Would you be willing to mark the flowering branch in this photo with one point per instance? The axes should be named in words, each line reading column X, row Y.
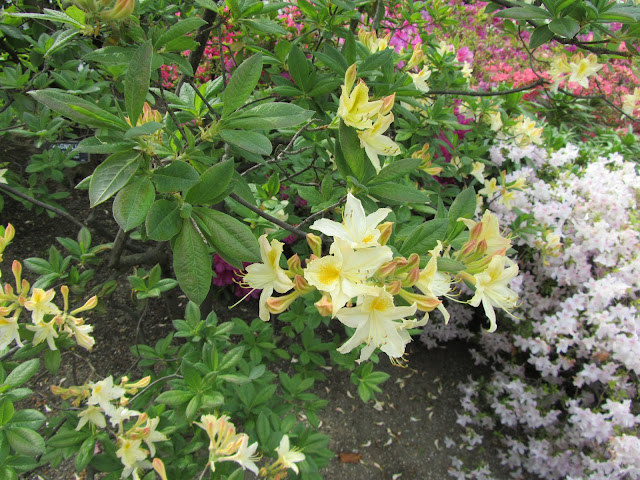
column 280, row 223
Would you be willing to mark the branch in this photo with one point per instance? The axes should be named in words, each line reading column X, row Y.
column 201, row 38
column 280, row 223
column 471, row 93
column 151, row 256
column 569, row 41
column 321, row 212
column 46, row 206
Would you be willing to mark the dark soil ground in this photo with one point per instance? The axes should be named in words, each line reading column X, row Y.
column 402, row 436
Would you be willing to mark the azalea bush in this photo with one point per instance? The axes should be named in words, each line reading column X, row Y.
column 339, row 161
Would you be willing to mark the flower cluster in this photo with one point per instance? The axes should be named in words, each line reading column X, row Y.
column 371, row 118
column 102, row 399
column 360, row 265
column 578, row 70
column 47, row 320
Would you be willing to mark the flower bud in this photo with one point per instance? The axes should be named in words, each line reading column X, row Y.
column 424, row 303
column 280, row 304
column 324, row 306
column 295, row 264
column 315, row 242
column 387, row 104
column 387, row 269
column 386, row 229
column 350, row 77
column 158, row 466
column 16, row 268
column 301, row 285
column 89, row 305
column 120, row 11
column 412, row 277
column 394, row 287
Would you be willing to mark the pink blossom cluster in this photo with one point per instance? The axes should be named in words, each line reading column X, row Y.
column 226, row 274
column 565, row 372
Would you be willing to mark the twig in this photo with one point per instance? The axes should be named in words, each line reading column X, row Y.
column 46, row 206
column 153, row 255
column 155, row 382
column 171, row 114
column 117, row 249
column 471, row 93
column 310, row 218
column 280, row 223
column 223, row 67
column 204, row 100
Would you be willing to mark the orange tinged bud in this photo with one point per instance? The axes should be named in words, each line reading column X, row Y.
column 394, row 287
column 158, row 466
column 350, row 77
column 16, row 268
column 387, row 269
column 295, row 264
column 280, row 304
column 387, row 104
column 470, row 247
column 412, row 277
column 315, row 243
column 120, row 11
column 324, row 306
column 301, row 285
column 386, row 229
column 424, row 303
column 89, row 305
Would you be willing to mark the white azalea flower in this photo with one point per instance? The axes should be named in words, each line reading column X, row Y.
column 375, row 321
column 420, row 79
column 433, row 283
column 92, row 414
column 342, row 273
column 268, row 276
column 245, row 456
column 357, row 228
column 103, row 392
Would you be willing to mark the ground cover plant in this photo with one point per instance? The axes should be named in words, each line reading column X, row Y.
column 390, row 168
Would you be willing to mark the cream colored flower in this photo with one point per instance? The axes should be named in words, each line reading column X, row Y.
column 420, row 79
column 268, row 276
column 40, row 304
column 379, row 324
column 631, row 102
column 357, row 228
column 490, row 187
column 526, row 132
column 487, row 231
column 44, row 331
column 492, row 288
column 92, row 414
column 9, row 331
column 354, row 108
column 343, row 273
column 478, row 171
column 245, row 456
column 433, row 283
column 375, row 143
column 287, row 456
column 103, row 392
column 582, row 68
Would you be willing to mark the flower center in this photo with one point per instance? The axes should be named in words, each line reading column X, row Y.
column 328, row 274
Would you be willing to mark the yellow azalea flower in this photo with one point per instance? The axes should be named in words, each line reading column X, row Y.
column 494, row 120
column 9, row 331
column 223, row 440
column 492, row 288
column 582, row 68
column 245, row 456
column 268, row 276
column 490, row 187
column 478, row 171
column 92, row 414
column 354, row 108
column 372, row 42
column 433, row 283
column 287, row 456
column 375, row 143
column 466, row 70
column 559, row 70
column 417, row 57
column 526, row 132
column 379, row 324
column 103, row 392
column 420, row 79
column 487, row 231
column 131, row 455
column 149, row 435
column 44, row 331
column 631, row 102
column 343, row 273
column 357, row 228
column 444, row 48
column 40, row 304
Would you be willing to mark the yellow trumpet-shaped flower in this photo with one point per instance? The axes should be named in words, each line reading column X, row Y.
column 355, row 109
column 420, row 79
column 375, row 143
column 582, row 68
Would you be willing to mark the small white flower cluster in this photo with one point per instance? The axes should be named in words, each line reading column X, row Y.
column 579, row 329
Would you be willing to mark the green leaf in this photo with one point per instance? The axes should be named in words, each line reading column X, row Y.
column 176, row 177
column 234, row 8
column 351, row 149
column 28, row 418
column 375, row 61
column 136, row 83
column 132, row 203
column 174, row 398
column 111, row 175
column 145, row 129
column 524, row 13
column 263, row 25
column 6, row 411
column 231, row 238
column 52, row 360
column 8, row 473
column 464, row 206
column 566, row 27
column 299, row 68
column 396, row 169
column 22, row 373
column 253, row 142
column 163, row 220
column 268, row 116
column 79, row 110
column 540, row 36
column 179, row 29
column 103, row 146
column 425, row 237
column 67, row 438
column 192, row 263
column 25, row 441
column 450, row 265
column 85, row 453
column 213, row 183
column 397, row 194
column 242, row 83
